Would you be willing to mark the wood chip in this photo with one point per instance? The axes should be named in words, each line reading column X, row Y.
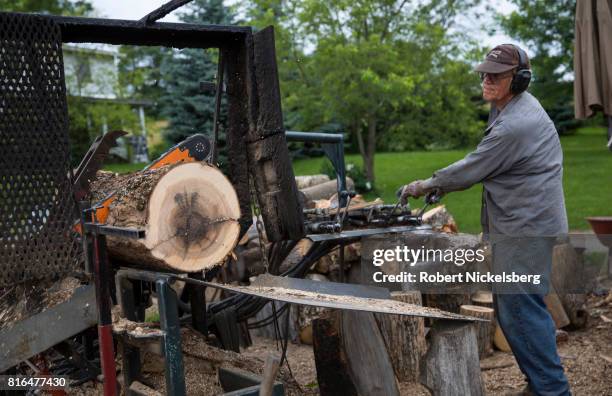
column 606, row 358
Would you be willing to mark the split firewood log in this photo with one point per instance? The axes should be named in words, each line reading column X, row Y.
column 323, row 191
column 310, row 180
column 189, row 212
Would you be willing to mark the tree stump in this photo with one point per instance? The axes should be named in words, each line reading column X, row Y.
column 451, row 365
column 404, row 338
column 484, row 330
column 447, row 302
column 189, row 211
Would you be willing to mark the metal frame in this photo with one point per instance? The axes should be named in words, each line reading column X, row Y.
column 333, row 145
column 170, row 339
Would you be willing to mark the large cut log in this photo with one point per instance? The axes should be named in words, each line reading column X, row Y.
column 451, row 365
column 484, row 330
column 189, row 212
column 404, row 338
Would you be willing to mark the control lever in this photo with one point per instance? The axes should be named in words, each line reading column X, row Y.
column 350, row 195
column 431, row 198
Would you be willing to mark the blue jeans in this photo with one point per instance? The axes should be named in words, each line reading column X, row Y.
column 530, row 332
column 523, row 317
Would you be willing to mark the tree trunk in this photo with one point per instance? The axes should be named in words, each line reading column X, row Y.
column 189, row 212
column 368, row 160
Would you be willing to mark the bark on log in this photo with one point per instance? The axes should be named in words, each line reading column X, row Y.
column 484, row 330
column 447, row 302
column 189, row 212
column 404, row 338
column 451, row 365
column 485, row 299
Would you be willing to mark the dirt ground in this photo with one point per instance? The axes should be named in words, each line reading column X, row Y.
column 586, row 356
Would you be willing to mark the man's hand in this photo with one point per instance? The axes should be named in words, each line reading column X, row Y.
column 415, row 189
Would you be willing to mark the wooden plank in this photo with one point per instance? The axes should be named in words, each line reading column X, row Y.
column 366, row 354
column 238, row 128
column 333, row 375
column 404, row 338
column 269, row 159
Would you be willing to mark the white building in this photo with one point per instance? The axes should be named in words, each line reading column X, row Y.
column 92, row 73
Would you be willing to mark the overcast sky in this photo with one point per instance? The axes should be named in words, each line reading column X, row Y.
column 136, row 9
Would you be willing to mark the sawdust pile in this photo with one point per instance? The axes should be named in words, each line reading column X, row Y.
column 202, row 361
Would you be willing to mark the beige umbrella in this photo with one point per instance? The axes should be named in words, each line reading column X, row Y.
column 593, row 59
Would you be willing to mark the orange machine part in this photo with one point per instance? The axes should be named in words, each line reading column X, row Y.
column 172, row 157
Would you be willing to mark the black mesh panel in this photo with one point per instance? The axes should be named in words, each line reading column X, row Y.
column 36, row 204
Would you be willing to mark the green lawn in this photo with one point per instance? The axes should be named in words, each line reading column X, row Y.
column 124, row 168
column 587, row 178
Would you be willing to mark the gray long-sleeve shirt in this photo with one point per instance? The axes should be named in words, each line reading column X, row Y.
column 520, row 164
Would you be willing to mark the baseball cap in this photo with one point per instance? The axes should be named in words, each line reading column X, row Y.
column 500, row 59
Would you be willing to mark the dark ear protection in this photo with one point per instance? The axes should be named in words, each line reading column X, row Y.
column 522, row 77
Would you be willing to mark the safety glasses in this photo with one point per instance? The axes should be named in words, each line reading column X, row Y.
column 496, row 77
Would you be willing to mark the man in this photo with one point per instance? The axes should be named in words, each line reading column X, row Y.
column 519, row 163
